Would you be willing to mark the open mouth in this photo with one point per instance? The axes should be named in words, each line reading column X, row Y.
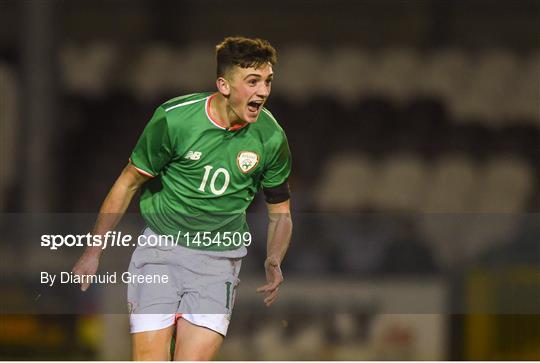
column 254, row 106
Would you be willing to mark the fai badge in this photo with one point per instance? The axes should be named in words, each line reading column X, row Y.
column 246, row 161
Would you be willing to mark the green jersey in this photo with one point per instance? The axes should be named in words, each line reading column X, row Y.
column 205, row 176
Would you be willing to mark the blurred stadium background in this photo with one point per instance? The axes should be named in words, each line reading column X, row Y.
column 415, row 132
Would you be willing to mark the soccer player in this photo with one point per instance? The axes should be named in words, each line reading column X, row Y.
column 199, row 162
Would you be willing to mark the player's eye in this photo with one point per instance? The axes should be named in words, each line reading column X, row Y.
column 252, row 82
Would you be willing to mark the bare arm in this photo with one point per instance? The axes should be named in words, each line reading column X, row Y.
column 279, row 237
column 113, row 208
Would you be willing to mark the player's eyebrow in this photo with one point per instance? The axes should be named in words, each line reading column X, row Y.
column 252, row 74
column 271, row 75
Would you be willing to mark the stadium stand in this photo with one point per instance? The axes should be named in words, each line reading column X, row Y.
column 390, row 130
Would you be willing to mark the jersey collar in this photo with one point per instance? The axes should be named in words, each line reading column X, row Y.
column 218, row 123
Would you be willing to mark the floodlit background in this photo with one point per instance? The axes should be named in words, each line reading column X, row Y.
column 415, row 133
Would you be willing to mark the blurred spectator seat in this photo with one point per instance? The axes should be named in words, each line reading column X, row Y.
column 360, row 240
column 522, row 101
column 349, row 74
column 487, row 231
column 406, row 253
column 444, row 73
column 309, row 340
column 347, row 183
column 298, row 72
column 444, row 233
column 505, row 186
column 396, row 73
column 162, row 71
column 151, row 72
column 401, row 183
column 194, row 68
column 493, row 79
column 452, row 183
column 88, row 69
column 500, row 190
column 267, row 338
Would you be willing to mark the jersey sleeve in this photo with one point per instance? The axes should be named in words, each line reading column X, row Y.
column 279, row 166
column 153, row 150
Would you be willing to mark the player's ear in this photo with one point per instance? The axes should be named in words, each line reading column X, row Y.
column 223, row 86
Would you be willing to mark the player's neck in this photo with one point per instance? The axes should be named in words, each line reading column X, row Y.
column 222, row 113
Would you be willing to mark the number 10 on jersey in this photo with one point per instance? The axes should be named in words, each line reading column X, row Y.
column 215, row 175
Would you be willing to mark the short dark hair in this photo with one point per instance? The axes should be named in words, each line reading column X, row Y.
column 243, row 52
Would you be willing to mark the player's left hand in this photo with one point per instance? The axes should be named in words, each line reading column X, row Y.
column 274, row 278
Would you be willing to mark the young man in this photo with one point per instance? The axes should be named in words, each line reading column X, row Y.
column 199, row 162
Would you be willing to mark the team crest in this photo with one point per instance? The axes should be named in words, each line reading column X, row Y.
column 247, row 160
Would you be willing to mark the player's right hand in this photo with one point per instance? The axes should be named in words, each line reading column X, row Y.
column 86, row 265
column 274, row 278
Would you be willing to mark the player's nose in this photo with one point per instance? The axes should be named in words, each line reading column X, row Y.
column 263, row 91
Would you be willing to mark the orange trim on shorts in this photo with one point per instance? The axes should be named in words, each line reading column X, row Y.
column 176, row 317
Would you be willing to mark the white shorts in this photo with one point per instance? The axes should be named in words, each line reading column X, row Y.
column 201, row 287
column 147, row 322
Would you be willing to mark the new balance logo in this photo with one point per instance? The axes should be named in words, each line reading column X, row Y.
column 193, row 155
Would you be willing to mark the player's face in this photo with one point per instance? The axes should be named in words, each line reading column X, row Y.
column 249, row 90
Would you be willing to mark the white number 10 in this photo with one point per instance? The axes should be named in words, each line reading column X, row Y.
column 215, row 191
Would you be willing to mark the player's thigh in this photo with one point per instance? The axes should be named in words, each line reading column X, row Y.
column 152, row 345
column 195, row 342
